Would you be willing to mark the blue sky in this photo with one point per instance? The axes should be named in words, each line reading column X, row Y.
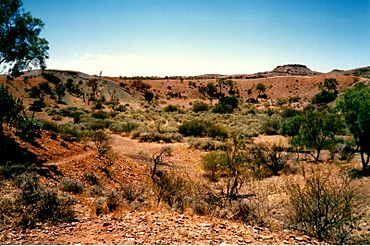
column 192, row 37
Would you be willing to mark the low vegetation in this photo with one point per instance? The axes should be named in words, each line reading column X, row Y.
column 225, row 132
column 324, row 206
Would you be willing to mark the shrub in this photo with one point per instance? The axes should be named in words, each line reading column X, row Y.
column 39, row 203
column 171, row 108
column 72, row 185
column 98, row 105
column 11, row 169
column 271, row 125
column 11, row 113
column 324, row 206
column 328, row 92
column 205, row 144
column 289, row 112
column 37, row 106
column 148, row 96
column 252, row 100
column 51, row 78
column 92, row 179
column 100, row 115
column 28, row 129
column 216, row 132
column 101, row 141
column 194, row 128
column 261, row 88
column 171, row 189
column 8, row 210
column 294, row 99
column 124, row 127
column 231, row 162
column 167, row 137
column 50, row 126
column 113, row 201
column 281, row 101
column 271, row 157
column 72, row 111
column 70, row 134
column 130, row 193
column 347, row 151
column 253, row 210
column 98, row 124
column 101, row 206
column 212, row 162
column 291, row 126
column 226, row 105
column 200, row 106
column 324, row 97
column 96, row 191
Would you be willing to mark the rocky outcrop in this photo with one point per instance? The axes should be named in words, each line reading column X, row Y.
column 293, row 69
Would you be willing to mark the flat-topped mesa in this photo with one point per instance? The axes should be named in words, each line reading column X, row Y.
column 293, row 69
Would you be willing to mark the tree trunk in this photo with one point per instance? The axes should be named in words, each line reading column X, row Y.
column 317, row 155
column 364, row 160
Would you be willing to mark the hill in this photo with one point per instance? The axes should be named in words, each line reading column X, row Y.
column 124, row 161
column 360, row 72
column 287, row 81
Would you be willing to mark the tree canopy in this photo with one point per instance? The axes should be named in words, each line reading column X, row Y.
column 20, row 45
column 317, row 130
column 354, row 105
column 12, row 114
column 261, row 88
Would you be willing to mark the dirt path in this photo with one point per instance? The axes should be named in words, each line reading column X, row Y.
column 182, row 156
column 131, row 148
column 70, row 159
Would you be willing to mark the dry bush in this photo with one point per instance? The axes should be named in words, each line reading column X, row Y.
column 124, row 127
column 324, row 206
column 96, row 191
column 10, row 169
column 38, row 203
column 205, row 144
column 91, row 178
column 72, row 185
column 101, row 206
column 254, row 207
column 167, row 137
column 172, row 189
column 271, row 157
column 199, row 106
column 101, row 141
column 205, row 201
column 130, row 192
column 271, row 125
column 8, row 210
column 113, row 200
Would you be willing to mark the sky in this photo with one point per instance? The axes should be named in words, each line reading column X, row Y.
column 194, row 37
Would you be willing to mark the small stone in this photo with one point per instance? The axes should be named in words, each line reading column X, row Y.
column 222, row 226
column 248, row 240
column 300, row 239
column 265, row 237
column 205, row 225
column 307, row 238
column 258, row 228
